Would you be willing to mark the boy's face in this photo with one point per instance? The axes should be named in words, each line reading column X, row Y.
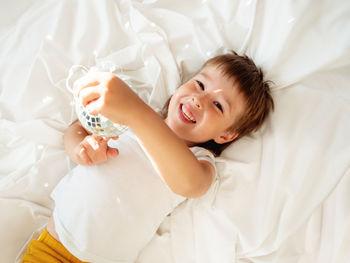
column 205, row 107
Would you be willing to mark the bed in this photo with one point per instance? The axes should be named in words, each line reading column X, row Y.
column 284, row 191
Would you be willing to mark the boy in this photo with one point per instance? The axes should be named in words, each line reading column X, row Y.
column 109, row 212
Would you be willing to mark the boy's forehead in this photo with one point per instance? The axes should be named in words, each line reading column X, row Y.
column 217, row 73
column 228, row 86
column 213, row 69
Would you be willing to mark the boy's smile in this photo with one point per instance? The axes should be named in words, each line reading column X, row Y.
column 205, row 107
column 186, row 114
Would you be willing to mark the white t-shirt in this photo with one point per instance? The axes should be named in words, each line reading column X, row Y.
column 109, row 212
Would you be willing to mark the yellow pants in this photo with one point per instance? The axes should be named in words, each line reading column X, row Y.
column 47, row 249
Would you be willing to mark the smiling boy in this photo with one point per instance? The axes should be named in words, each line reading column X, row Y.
column 110, row 211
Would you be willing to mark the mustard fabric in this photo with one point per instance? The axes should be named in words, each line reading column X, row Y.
column 46, row 249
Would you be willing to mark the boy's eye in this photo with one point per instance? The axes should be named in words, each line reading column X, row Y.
column 218, row 105
column 201, row 85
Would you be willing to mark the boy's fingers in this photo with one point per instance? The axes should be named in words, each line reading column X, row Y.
column 84, row 156
column 92, row 141
column 94, row 107
column 106, row 139
column 78, row 86
column 89, row 94
column 100, row 139
column 112, row 152
column 89, row 80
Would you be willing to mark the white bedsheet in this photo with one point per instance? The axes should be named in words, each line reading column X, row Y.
column 284, row 192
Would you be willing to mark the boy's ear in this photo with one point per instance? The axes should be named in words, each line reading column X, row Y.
column 226, row 137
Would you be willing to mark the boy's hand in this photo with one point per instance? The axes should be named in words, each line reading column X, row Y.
column 94, row 150
column 104, row 93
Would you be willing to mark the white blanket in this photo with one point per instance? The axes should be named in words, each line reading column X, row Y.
column 284, row 191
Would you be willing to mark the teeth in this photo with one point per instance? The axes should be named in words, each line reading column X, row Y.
column 188, row 115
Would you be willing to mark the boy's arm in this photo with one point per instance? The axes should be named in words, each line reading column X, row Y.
column 178, row 166
column 182, row 172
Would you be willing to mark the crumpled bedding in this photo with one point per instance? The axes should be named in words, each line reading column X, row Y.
column 283, row 193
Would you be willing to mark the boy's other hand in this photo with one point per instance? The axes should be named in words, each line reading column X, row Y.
column 94, row 150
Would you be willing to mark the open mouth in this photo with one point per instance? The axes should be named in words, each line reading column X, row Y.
column 185, row 115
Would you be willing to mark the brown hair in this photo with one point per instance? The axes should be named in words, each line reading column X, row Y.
column 250, row 79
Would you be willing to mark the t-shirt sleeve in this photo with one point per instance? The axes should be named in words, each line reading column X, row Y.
column 203, row 154
column 206, row 155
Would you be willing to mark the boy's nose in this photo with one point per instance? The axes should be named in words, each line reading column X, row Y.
column 197, row 102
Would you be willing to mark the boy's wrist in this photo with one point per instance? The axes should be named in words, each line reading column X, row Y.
column 73, row 136
column 140, row 118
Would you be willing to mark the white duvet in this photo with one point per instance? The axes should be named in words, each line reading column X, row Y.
column 284, row 192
